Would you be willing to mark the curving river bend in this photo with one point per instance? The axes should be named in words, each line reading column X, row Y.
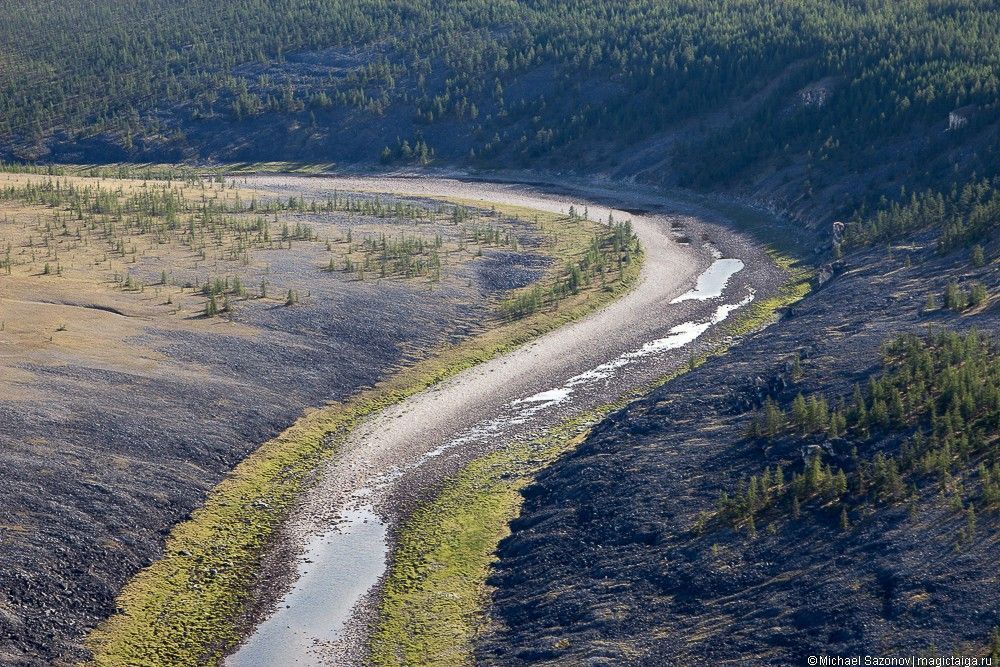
column 342, row 530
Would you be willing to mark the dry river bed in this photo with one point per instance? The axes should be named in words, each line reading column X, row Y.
column 323, row 577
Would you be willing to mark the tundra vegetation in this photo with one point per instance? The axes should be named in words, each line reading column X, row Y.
column 202, row 237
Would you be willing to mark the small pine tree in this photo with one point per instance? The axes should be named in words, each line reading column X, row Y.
column 880, row 413
column 814, row 473
column 774, row 418
column 753, row 427
column 931, row 304
column 845, row 522
column 977, row 256
column 954, row 298
column 977, row 294
column 800, row 412
column 839, row 483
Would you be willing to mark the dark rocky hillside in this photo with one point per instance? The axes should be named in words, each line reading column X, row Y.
column 619, row 556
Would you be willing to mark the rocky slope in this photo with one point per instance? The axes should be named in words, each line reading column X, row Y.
column 609, row 563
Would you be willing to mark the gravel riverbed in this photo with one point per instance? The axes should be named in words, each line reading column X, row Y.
column 322, row 578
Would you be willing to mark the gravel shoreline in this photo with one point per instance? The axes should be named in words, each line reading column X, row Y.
column 401, row 436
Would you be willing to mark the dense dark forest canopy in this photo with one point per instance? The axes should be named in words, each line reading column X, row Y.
column 810, row 87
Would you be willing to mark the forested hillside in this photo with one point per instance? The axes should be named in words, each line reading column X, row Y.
column 811, row 104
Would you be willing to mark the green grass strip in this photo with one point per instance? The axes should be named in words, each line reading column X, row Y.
column 434, row 597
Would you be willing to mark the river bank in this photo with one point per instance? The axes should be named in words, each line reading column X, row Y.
column 189, row 604
column 400, row 456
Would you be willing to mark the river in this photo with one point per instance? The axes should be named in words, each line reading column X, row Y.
column 342, row 530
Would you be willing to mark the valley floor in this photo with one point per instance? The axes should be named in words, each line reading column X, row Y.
column 123, row 404
column 346, row 525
